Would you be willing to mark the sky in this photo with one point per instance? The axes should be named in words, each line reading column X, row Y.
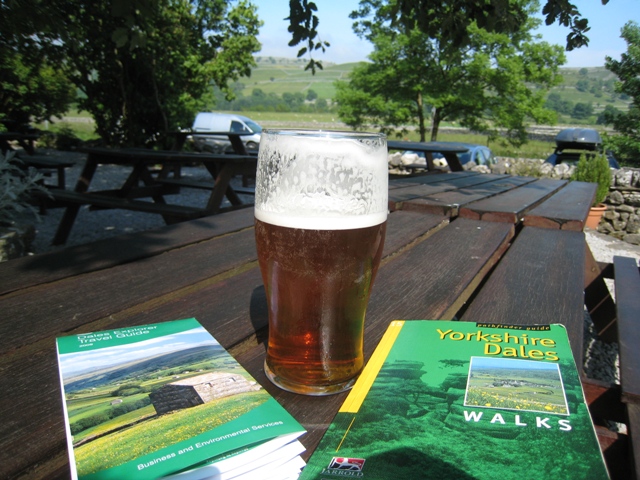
column 605, row 21
column 74, row 363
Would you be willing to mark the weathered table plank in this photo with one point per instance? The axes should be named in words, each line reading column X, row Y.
column 460, row 256
column 437, row 184
column 566, row 210
column 411, row 180
column 546, row 284
column 449, row 202
column 511, row 206
column 76, row 302
column 633, row 411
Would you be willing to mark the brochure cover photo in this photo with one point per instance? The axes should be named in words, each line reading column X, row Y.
column 155, row 400
column 463, row 400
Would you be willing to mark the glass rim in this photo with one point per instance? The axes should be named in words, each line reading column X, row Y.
column 323, row 133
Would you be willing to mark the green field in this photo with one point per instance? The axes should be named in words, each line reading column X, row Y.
column 149, row 436
column 517, row 389
column 288, row 76
column 533, row 149
column 281, row 75
column 278, row 75
column 112, row 420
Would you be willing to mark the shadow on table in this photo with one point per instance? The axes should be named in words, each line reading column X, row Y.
column 405, row 462
column 118, row 250
column 259, row 314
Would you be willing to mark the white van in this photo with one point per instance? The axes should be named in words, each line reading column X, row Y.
column 224, row 122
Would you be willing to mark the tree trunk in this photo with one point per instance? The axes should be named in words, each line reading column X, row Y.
column 435, row 124
column 421, row 127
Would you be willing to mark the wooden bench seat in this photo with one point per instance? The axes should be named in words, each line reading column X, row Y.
column 66, row 197
column 619, row 403
column 44, row 163
column 182, row 182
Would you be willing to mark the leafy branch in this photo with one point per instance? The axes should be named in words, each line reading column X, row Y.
column 303, row 26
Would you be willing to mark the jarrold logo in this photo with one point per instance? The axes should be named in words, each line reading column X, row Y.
column 345, row 467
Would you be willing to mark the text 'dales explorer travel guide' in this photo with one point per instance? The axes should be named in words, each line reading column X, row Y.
column 166, row 400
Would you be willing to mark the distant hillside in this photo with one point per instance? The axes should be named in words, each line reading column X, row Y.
column 286, row 75
column 281, row 75
column 119, row 373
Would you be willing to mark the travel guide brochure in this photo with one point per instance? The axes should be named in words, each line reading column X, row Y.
column 463, row 400
column 167, row 400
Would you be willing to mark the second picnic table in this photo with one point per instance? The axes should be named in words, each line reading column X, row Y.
column 142, row 184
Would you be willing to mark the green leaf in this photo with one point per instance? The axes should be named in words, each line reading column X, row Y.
column 120, row 37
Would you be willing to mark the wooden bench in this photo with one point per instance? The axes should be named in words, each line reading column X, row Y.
column 64, row 198
column 182, row 182
column 47, row 164
column 618, row 403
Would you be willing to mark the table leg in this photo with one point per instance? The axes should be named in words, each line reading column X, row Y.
column 597, row 297
column 429, row 158
column 221, row 187
column 141, row 172
column 66, row 224
column 84, row 181
column 453, row 161
column 62, row 179
column 238, row 146
column 71, row 212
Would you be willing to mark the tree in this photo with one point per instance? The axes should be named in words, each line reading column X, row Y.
column 311, row 95
column 453, row 16
column 626, row 145
column 293, row 100
column 144, row 67
column 608, row 115
column 582, row 110
column 556, row 103
column 31, row 83
column 413, row 76
column 582, row 85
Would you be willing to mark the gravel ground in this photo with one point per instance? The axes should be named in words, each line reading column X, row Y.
column 601, row 359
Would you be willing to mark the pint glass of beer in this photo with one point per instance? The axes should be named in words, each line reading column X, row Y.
column 321, row 212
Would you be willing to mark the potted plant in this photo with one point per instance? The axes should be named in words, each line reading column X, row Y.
column 594, row 170
column 17, row 184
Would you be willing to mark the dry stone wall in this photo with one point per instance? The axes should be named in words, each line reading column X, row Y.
column 622, row 217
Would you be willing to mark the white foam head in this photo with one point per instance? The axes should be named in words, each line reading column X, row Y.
column 322, row 180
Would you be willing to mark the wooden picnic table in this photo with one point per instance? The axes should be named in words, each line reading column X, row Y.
column 487, row 248
column 235, row 138
column 142, row 184
column 450, row 152
column 25, row 140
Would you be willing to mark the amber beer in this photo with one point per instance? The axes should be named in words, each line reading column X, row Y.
column 319, row 252
column 318, row 284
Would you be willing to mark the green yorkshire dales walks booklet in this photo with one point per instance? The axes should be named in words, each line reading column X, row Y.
column 463, row 400
column 167, row 400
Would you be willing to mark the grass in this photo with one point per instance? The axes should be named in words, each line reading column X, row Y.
column 280, row 75
column 533, row 149
column 146, row 437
